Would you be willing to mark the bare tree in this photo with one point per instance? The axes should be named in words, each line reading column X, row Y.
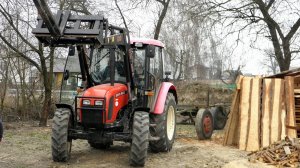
column 27, row 48
column 265, row 17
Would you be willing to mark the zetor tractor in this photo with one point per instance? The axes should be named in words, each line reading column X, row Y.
column 123, row 94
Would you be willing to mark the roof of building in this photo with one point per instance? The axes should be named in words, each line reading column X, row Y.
column 292, row 72
column 147, row 41
column 73, row 64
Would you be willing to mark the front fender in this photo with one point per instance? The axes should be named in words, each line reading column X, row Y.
column 61, row 105
column 159, row 104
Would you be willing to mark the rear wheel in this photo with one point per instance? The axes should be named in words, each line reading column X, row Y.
column 204, row 124
column 140, row 139
column 165, row 126
column 60, row 142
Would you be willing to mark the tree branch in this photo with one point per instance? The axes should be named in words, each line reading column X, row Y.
column 9, row 19
column 293, row 30
column 20, row 53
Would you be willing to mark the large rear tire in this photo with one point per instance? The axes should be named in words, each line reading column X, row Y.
column 60, row 142
column 204, row 124
column 165, row 126
column 140, row 139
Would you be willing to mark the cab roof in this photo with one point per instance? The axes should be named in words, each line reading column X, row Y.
column 147, row 41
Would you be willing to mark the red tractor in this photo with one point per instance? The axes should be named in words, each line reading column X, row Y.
column 125, row 94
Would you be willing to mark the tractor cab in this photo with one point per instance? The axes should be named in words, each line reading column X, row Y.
column 147, row 68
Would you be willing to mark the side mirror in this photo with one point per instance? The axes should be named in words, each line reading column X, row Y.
column 66, row 74
column 71, row 51
column 167, row 73
column 150, row 51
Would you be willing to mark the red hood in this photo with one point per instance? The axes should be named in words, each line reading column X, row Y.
column 101, row 90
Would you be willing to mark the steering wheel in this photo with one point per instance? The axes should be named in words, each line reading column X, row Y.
column 96, row 77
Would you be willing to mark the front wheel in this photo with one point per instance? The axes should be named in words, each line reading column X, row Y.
column 165, row 126
column 140, row 138
column 60, row 142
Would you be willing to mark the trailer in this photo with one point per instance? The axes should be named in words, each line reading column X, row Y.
column 206, row 118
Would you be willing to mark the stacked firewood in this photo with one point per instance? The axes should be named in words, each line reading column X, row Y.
column 284, row 153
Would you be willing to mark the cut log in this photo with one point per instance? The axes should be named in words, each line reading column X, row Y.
column 253, row 137
column 266, row 109
column 244, row 112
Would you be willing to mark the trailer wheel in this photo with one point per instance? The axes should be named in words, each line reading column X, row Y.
column 220, row 117
column 140, row 139
column 165, row 126
column 204, row 124
column 60, row 142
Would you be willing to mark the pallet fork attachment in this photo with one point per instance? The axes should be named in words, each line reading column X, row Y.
column 66, row 29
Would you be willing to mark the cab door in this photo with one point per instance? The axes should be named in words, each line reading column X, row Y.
column 155, row 75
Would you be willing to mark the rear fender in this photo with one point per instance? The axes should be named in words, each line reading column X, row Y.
column 165, row 88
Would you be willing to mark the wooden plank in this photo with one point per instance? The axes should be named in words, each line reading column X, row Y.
column 290, row 105
column 244, row 112
column 231, row 133
column 276, row 111
column 253, row 139
column 283, row 120
column 266, row 109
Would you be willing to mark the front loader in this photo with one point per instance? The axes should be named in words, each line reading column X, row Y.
column 122, row 91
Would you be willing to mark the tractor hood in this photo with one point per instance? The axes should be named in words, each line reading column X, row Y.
column 105, row 90
column 114, row 98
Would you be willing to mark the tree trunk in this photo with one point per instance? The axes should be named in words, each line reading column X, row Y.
column 161, row 19
column 180, row 65
column 47, row 77
column 284, row 64
column 46, row 107
column 4, row 89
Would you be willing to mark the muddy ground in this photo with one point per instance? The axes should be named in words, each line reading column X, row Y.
column 26, row 145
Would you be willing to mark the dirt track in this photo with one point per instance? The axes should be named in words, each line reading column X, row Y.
column 26, row 145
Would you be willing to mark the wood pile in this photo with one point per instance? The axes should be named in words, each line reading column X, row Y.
column 262, row 112
column 282, row 154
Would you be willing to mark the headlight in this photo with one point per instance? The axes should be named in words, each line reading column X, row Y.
column 98, row 103
column 86, row 102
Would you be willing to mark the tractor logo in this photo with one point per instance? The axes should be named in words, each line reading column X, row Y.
column 116, row 103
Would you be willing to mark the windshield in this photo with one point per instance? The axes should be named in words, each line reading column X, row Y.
column 100, row 66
